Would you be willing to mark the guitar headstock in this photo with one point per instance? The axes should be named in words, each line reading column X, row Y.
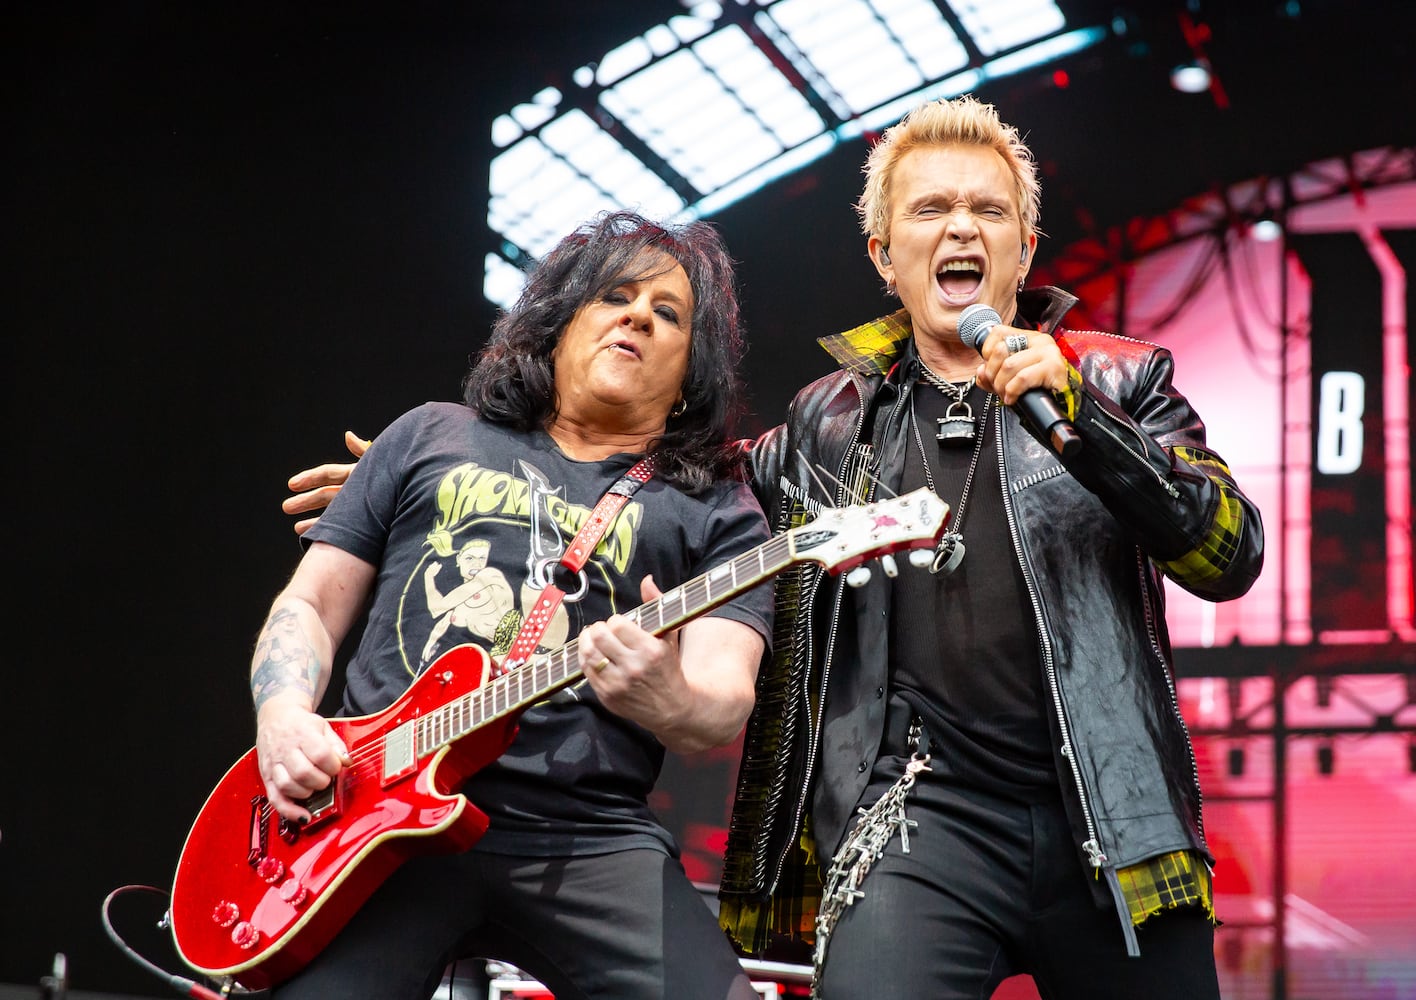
column 844, row 537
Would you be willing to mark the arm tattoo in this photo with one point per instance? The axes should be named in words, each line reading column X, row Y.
column 285, row 659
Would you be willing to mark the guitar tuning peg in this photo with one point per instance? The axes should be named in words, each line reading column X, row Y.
column 887, row 563
column 858, row 577
column 921, row 557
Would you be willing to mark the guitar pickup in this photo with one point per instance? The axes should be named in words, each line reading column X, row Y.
column 324, row 804
column 400, row 755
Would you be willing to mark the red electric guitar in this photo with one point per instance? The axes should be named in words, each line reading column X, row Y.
column 256, row 897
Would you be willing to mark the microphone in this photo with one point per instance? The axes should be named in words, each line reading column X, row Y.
column 1038, row 405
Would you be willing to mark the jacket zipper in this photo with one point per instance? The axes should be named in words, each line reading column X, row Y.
column 1092, row 845
column 1140, row 457
column 1170, row 686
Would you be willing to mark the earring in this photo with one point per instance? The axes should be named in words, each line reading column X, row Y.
column 1020, row 284
column 680, row 408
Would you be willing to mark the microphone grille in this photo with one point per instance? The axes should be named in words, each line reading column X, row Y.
column 975, row 322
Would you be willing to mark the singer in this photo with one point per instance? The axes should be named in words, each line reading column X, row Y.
column 998, row 780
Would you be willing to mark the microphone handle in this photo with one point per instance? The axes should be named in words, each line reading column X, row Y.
column 1039, row 407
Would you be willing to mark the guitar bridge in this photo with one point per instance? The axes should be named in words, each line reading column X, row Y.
column 260, row 813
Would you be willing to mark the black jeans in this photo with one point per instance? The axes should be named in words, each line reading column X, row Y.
column 993, row 888
column 623, row 925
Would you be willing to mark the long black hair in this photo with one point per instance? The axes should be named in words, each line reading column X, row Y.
column 513, row 379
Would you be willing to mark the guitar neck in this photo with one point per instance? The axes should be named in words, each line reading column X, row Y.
column 543, row 675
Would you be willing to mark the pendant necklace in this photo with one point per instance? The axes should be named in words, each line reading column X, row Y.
column 950, row 551
column 956, row 427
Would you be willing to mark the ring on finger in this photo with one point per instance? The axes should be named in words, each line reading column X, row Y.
column 1016, row 342
column 599, row 667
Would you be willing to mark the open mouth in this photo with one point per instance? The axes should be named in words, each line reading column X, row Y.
column 624, row 347
column 959, row 279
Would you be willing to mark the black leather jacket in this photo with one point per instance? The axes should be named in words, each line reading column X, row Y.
column 1144, row 497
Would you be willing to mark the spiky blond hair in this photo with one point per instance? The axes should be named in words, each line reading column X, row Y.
column 962, row 120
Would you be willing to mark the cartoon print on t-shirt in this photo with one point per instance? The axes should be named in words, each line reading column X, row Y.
column 479, row 604
column 485, row 606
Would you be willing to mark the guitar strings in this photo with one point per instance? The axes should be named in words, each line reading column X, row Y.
column 493, row 699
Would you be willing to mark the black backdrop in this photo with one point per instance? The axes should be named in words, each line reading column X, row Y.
column 236, row 231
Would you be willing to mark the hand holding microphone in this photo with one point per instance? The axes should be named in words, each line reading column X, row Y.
column 1037, row 405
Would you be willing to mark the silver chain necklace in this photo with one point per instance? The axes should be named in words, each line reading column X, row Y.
column 950, row 551
column 957, row 424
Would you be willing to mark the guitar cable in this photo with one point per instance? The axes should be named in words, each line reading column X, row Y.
column 183, row 985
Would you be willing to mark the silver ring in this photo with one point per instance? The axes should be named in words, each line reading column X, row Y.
column 543, row 569
column 1016, row 342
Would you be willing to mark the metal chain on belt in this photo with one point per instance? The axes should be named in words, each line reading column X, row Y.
column 865, row 846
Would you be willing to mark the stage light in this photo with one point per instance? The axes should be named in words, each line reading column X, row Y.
column 1190, row 78
column 1266, row 230
column 1197, row 76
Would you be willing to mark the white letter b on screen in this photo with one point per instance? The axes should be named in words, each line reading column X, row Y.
column 1341, row 400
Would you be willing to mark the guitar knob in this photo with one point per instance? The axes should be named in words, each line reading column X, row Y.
column 245, row 936
column 859, row 576
column 293, row 891
column 224, row 913
column 921, row 557
column 887, row 563
column 270, row 870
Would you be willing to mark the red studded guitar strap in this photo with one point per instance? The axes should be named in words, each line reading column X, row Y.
column 574, row 559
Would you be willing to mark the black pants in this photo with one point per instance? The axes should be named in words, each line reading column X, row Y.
column 993, row 888
column 624, row 925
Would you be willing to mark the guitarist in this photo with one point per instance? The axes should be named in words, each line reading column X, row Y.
column 623, row 346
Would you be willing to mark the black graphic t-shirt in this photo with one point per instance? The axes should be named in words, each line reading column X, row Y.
column 463, row 519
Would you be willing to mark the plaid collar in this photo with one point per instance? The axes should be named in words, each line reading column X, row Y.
column 873, row 348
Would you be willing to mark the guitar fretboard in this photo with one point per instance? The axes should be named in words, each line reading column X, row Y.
column 543, row 675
